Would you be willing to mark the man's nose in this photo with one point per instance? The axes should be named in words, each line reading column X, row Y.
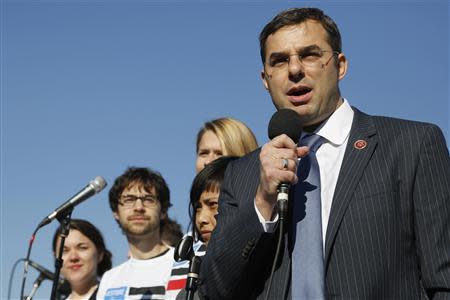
column 138, row 205
column 295, row 68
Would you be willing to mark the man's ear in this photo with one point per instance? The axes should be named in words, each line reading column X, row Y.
column 342, row 66
column 116, row 215
column 264, row 78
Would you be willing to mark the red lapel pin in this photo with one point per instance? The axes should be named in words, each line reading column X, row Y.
column 360, row 144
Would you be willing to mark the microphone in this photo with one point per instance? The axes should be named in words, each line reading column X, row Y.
column 285, row 121
column 91, row 189
column 46, row 273
column 184, row 251
column 64, row 287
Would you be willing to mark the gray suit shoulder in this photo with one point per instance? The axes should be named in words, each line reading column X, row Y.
column 399, row 129
column 403, row 123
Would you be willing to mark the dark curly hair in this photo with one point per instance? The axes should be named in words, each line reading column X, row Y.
column 148, row 179
column 93, row 234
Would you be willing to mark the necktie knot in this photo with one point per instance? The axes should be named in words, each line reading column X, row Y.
column 312, row 141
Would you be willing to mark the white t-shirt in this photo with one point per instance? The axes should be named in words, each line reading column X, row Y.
column 138, row 279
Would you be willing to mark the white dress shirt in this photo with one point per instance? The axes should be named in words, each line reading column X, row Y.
column 336, row 131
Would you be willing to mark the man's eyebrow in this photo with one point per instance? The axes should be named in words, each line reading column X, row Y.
column 300, row 50
column 309, row 48
column 138, row 196
column 277, row 54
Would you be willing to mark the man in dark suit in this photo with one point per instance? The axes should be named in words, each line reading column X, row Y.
column 384, row 188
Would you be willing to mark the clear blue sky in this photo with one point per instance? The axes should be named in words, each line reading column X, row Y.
column 91, row 87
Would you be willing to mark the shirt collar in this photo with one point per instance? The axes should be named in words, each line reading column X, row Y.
column 337, row 128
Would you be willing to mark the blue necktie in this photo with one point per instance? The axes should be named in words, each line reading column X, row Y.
column 308, row 280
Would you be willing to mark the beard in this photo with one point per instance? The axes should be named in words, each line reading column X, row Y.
column 149, row 225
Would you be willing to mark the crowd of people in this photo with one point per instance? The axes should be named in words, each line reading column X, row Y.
column 140, row 202
column 372, row 193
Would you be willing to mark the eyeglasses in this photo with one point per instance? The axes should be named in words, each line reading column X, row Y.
column 129, row 201
column 312, row 59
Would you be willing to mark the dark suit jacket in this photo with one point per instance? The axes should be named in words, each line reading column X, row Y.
column 388, row 235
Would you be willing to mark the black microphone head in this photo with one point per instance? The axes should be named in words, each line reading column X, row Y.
column 48, row 274
column 184, row 249
column 285, row 121
column 99, row 183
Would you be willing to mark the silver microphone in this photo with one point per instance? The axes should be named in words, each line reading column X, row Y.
column 91, row 189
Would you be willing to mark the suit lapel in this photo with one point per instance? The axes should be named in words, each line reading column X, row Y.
column 353, row 165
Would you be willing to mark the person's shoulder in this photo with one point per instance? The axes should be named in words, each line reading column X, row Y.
column 247, row 160
column 115, row 270
column 165, row 258
column 108, row 278
column 394, row 125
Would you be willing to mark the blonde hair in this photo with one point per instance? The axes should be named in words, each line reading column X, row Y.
column 236, row 139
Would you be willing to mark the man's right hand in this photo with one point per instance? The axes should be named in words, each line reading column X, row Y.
column 273, row 172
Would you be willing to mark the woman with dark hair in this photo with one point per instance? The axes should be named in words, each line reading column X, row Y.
column 203, row 207
column 204, row 198
column 85, row 258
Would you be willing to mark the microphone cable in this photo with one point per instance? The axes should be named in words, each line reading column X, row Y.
column 282, row 204
column 11, row 275
column 27, row 259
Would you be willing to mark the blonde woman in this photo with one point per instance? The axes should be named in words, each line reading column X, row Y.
column 223, row 136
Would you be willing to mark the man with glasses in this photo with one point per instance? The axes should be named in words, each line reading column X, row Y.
column 369, row 202
column 140, row 200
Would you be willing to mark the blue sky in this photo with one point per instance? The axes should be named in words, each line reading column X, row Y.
column 89, row 88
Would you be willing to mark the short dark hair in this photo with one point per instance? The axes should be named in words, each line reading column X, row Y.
column 147, row 178
column 294, row 16
column 93, row 234
column 208, row 179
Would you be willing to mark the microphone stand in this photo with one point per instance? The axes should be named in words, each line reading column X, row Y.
column 192, row 278
column 36, row 285
column 185, row 251
column 64, row 219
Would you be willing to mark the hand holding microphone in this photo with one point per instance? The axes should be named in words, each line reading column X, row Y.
column 278, row 170
column 279, row 160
